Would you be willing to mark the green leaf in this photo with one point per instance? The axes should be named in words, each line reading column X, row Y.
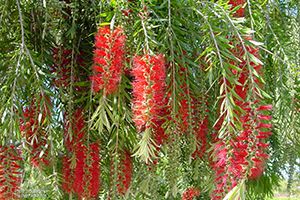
column 237, row 193
column 256, row 43
column 254, row 59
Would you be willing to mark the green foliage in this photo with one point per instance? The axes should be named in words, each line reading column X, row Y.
column 195, row 35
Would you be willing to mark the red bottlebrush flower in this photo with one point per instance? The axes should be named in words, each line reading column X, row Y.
column 190, row 193
column 236, row 161
column 74, row 181
column 10, row 172
column 255, row 172
column 125, row 173
column 94, row 170
column 111, row 174
column 219, row 165
column 108, row 59
column 84, row 178
column 149, row 89
column 77, row 134
column 79, row 170
column 262, row 155
column 241, row 11
column 243, row 75
column 32, row 128
column 230, row 164
column 242, row 89
column 36, row 160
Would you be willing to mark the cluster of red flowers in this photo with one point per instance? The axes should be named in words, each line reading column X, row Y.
column 82, row 179
column 74, row 130
column 74, row 134
column 109, row 57
column 149, row 89
column 241, row 11
column 32, row 128
column 252, row 122
column 219, row 165
column 240, row 163
column 262, row 134
column 125, row 173
column 79, row 170
column 190, row 193
column 245, row 154
column 94, row 170
column 10, row 172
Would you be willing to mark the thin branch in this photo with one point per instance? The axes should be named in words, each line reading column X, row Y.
column 24, row 47
column 227, row 100
column 250, row 13
column 22, row 26
column 243, row 46
column 146, row 35
column 144, row 28
column 172, row 57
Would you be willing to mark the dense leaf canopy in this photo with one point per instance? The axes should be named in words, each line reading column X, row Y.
column 148, row 99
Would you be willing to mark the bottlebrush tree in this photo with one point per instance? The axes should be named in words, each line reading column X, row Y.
column 157, row 99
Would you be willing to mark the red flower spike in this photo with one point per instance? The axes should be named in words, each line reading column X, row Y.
column 94, row 170
column 61, row 60
column 237, row 161
column 78, row 130
column 184, row 115
column 32, row 128
column 125, row 173
column 109, row 58
column 79, row 171
column 73, row 144
column 10, row 172
column 84, row 179
column 149, row 89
